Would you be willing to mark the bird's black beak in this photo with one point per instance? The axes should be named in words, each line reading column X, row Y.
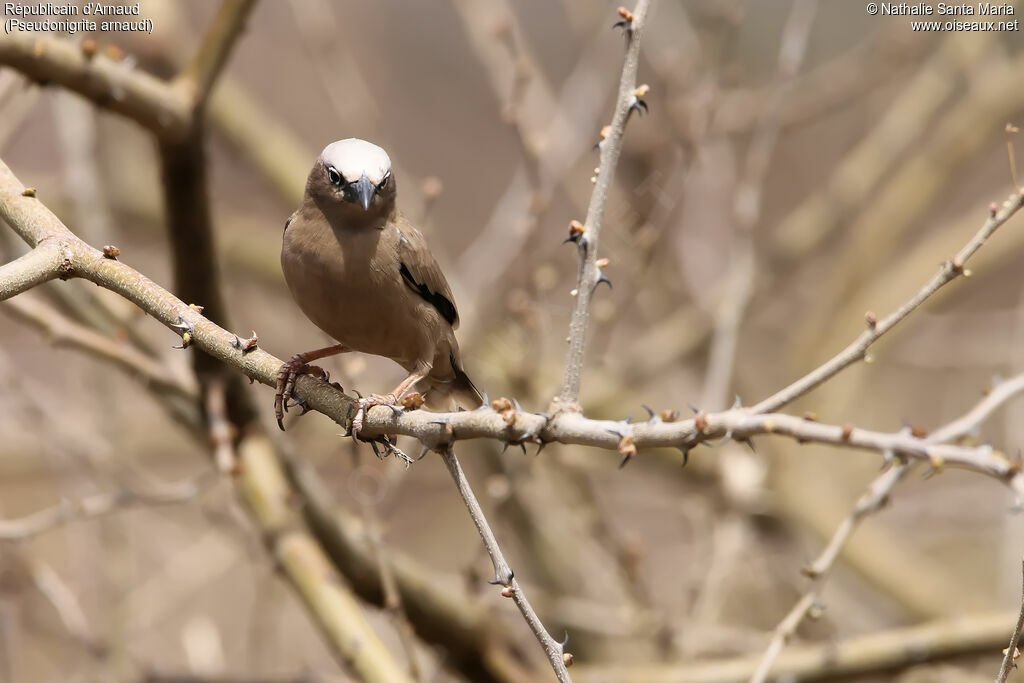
column 363, row 190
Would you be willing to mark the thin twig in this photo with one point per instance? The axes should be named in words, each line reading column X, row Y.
column 1012, row 653
column 611, row 147
column 950, row 270
column 503, row 574
column 871, row 501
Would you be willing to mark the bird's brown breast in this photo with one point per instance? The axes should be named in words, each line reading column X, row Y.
column 348, row 282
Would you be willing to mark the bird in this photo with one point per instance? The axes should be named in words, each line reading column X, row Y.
column 362, row 273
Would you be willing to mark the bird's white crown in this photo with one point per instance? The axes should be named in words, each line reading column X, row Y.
column 353, row 157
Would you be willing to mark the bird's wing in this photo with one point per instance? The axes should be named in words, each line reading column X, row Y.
column 421, row 273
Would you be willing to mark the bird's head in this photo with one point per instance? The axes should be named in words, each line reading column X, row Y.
column 354, row 174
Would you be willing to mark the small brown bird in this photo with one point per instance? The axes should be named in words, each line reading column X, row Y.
column 365, row 276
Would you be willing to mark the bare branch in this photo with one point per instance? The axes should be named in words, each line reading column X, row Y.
column 588, row 242
column 28, row 270
column 325, row 593
column 503, row 574
column 874, row 499
column 950, row 270
column 225, row 29
column 873, row 653
column 1012, row 653
column 111, row 84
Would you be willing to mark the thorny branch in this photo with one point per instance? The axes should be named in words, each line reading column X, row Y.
column 857, row 350
column 36, row 225
column 874, row 499
column 503, row 574
column 629, row 99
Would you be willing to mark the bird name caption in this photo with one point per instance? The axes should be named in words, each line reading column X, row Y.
column 946, row 16
column 45, row 17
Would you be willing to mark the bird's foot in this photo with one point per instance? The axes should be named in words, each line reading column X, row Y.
column 286, row 377
column 389, row 448
column 365, row 404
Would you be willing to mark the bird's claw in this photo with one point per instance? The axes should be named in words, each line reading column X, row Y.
column 286, row 377
column 365, row 405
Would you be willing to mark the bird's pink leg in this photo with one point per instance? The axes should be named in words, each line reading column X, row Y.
column 298, row 365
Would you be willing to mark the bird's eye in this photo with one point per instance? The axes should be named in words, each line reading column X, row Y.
column 384, row 183
column 333, row 176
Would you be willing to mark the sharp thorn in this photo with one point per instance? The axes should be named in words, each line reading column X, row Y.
column 604, row 280
column 624, row 461
column 650, row 413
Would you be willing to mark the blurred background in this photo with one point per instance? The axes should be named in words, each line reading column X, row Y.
column 760, row 209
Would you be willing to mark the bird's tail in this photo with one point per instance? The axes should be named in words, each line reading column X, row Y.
column 465, row 392
column 439, row 395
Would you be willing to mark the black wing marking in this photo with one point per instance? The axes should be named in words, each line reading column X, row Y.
column 444, row 306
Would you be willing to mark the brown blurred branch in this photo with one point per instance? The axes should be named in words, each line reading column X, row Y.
column 1012, row 651
column 590, row 274
column 111, row 84
column 503, row 574
column 326, row 594
column 94, row 506
column 201, row 73
column 873, row 653
column 442, row 612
